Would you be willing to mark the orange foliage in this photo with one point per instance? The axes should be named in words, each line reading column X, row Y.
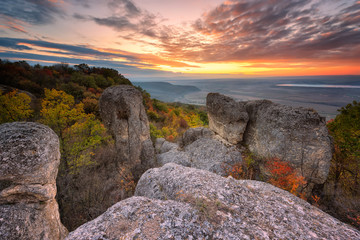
column 316, row 200
column 236, row 171
column 285, row 177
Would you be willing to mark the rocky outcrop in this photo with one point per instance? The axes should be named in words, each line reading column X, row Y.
column 123, row 113
column 298, row 136
column 144, row 218
column 200, row 149
column 29, row 160
column 227, row 117
column 176, row 202
column 235, row 209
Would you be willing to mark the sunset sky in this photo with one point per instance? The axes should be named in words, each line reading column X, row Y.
column 188, row 38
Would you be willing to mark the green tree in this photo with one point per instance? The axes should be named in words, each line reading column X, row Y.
column 345, row 129
column 14, row 106
column 81, row 140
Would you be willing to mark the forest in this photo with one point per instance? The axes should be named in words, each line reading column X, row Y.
column 65, row 98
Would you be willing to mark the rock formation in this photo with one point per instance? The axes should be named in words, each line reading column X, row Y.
column 176, row 202
column 200, row 149
column 227, row 117
column 296, row 135
column 29, row 160
column 123, row 113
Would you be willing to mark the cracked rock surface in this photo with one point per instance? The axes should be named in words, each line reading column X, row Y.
column 29, row 160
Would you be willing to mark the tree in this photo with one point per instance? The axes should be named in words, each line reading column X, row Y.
column 59, row 111
column 345, row 130
column 14, row 106
column 80, row 141
column 79, row 133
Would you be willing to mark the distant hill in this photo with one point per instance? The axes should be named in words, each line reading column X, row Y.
column 165, row 91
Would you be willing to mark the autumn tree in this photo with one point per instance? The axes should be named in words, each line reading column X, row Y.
column 344, row 175
column 345, row 130
column 14, row 106
column 79, row 133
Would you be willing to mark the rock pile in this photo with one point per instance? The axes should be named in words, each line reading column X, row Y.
column 29, row 160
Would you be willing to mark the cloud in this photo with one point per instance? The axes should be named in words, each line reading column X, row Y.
column 16, row 43
column 12, row 24
column 37, row 12
column 243, row 30
column 10, row 43
column 130, row 8
column 117, row 23
column 50, row 51
column 276, row 29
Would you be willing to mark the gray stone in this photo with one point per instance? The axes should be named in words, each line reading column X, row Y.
column 29, row 160
column 175, row 156
column 193, row 134
column 212, row 155
column 123, row 113
column 163, row 146
column 238, row 209
column 201, row 150
column 29, row 153
column 227, row 117
column 148, row 219
column 295, row 135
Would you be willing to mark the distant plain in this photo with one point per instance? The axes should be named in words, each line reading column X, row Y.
column 325, row 94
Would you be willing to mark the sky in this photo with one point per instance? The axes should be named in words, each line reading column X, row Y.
column 179, row 39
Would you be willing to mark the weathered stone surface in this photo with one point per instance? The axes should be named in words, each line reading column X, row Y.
column 29, row 153
column 227, row 117
column 123, row 113
column 237, row 209
column 296, row 135
column 27, row 221
column 163, row 146
column 200, row 151
column 193, row 134
column 143, row 218
column 212, row 155
column 29, row 160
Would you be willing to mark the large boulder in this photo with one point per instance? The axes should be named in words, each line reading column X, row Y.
column 298, row 136
column 144, row 218
column 29, row 160
column 228, row 209
column 123, row 113
column 199, row 148
column 227, row 117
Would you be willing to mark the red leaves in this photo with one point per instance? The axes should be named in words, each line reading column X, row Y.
column 285, row 177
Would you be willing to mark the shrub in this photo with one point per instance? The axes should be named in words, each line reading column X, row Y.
column 282, row 175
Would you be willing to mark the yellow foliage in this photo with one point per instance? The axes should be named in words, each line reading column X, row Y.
column 14, row 106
